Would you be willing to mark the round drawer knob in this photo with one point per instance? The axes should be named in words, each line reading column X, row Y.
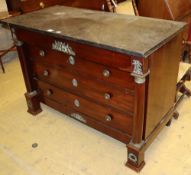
column 108, row 118
column 107, row 96
column 71, row 60
column 49, row 92
column 42, row 5
column 106, row 73
column 42, row 53
column 74, row 82
column 77, row 103
column 46, row 73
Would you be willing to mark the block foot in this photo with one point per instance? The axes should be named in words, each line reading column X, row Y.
column 136, row 168
column 176, row 115
column 33, row 102
column 135, row 158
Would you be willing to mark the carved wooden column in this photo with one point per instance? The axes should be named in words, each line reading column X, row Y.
column 135, row 155
column 32, row 95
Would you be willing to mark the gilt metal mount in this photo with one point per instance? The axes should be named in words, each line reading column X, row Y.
column 137, row 73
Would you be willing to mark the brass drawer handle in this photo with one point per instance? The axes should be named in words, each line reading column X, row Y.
column 77, row 103
column 107, row 96
column 49, row 92
column 42, row 5
column 108, row 118
column 71, row 60
column 106, row 73
column 42, row 53
column 46, row 73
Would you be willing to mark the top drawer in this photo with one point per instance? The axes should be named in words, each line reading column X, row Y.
column 93, row 54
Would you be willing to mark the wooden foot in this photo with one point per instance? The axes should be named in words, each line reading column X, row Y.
column 33, row 102
column 169, row 123
column 185, row 90
column 181, row 87
column 135, row 158
column 176, row 115
column 187, row 75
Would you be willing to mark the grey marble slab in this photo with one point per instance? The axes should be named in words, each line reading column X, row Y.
column 138, row 36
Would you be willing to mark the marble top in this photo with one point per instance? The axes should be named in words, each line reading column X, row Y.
column 138, row 36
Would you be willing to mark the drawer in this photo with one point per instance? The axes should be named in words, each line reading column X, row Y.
column 108, row 116
column 93, row 54
column 93, row 89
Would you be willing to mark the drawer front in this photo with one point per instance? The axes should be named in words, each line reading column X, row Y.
column 98, row 91
column 108, row 116
column 93, row 54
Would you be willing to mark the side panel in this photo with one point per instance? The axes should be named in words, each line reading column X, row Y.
column 164, row 66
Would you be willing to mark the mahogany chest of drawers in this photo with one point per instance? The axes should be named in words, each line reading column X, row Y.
column 115, row 73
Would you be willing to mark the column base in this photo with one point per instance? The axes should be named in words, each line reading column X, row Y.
column 33, row 102
column 135, row 168
column 135, row 158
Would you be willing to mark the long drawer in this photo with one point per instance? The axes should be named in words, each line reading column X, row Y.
column 107, row 116
column 93, row 54
column 93, row 89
